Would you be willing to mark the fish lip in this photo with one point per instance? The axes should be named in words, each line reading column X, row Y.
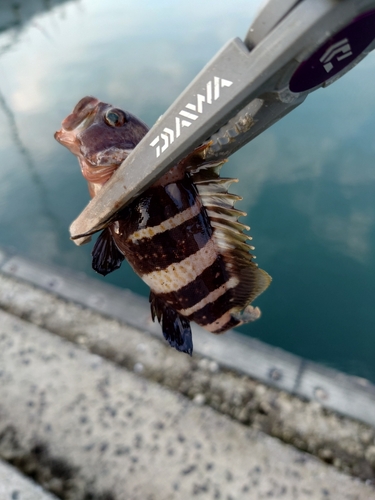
column 68, row 140
column 81, row 112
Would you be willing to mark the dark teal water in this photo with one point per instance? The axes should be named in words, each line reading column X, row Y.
column 308, row 183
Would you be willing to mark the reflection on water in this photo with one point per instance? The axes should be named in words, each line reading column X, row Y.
column 15, row 15
column 308, row 182
column 28, row 162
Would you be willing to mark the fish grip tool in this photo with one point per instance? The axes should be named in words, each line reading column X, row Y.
column 291, row 49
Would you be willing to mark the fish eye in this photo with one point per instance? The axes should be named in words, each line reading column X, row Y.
column 115, row 117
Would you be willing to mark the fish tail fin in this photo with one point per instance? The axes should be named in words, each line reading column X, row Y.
column 176, row 328
column 247, row 315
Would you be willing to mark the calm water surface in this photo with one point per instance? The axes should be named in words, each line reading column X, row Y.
column 308, row 183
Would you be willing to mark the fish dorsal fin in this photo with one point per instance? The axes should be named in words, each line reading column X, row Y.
column 219, row 185
column 203, row 170
column 230, row 239
column 253, row 282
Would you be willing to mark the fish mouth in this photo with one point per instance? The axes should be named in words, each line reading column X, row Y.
column 68, row 140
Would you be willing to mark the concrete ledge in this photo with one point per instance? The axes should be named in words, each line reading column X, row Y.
column 91, row 429
column 347, row 444
column 347, row 395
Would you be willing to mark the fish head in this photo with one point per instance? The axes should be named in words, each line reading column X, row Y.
column 101, row 136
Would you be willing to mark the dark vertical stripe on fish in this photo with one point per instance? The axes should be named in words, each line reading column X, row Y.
column 173, row 245
column 209, row 280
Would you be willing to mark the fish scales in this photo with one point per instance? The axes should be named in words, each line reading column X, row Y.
column 181, row 236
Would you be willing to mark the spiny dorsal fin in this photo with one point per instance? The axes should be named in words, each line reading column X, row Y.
column 205, row 171
column 225, row 200
column 228, row 233
column 220, row 185
column 229, row 223
column 231, row 214
column 236, row 237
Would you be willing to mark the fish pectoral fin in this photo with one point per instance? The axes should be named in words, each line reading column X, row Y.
column 176, row 328
column 106, row 257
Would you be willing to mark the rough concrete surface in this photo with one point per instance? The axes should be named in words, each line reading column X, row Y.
column 14, row 486
column 346, row 395
column 86, row 428
column 347, row 444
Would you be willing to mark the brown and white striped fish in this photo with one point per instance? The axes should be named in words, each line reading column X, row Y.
column 181, row 236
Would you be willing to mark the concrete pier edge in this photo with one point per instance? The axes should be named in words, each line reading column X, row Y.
column 84, row 427
column 112, row 395
column 347, row 395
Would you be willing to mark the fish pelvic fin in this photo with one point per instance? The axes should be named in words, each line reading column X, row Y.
column 106, row 257
column 176, row 328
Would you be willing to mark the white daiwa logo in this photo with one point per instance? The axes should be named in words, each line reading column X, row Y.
column 169, row 135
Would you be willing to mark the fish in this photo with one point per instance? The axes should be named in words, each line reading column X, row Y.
column 182, row 235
